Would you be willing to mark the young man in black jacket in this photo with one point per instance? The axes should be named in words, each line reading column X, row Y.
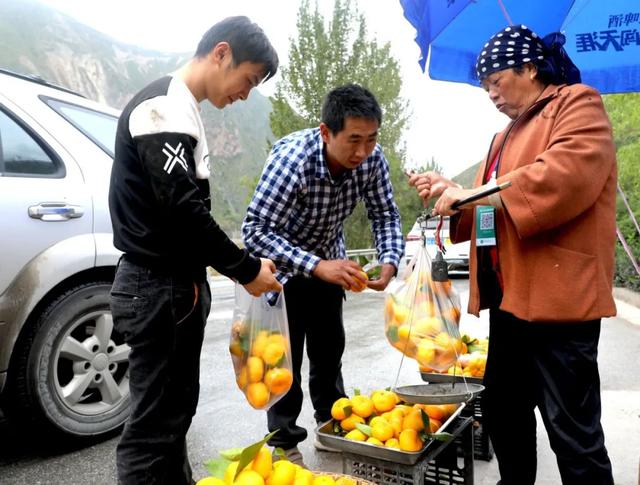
column 160, row 209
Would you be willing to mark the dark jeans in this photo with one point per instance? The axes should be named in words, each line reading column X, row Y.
column 314, row 312
column 552, row 366
column 162, row 318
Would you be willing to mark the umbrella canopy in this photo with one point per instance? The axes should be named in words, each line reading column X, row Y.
column 603, row 36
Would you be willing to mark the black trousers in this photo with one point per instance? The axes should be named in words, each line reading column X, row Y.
column 162, row 318
column 314, row 312
column 552, row 366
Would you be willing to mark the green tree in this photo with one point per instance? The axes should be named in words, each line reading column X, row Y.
column 624, row 112
column 329, row 54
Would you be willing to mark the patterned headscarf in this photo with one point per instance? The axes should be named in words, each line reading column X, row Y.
column 516, row 45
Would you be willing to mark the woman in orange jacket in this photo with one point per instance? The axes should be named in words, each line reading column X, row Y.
column 542, row 255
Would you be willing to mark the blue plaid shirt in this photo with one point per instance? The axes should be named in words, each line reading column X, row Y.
column 297, row 212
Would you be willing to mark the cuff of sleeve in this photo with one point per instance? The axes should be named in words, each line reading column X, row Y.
column 247, row 269
column 309, row 263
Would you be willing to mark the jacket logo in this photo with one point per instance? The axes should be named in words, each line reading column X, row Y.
column 174, row 155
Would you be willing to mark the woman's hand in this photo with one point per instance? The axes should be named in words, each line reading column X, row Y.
column 430, row 184
column 448, row 198
column 454, row 194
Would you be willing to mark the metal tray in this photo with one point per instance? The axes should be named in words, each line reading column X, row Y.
column 438, row 378
column 443, row 393
column 325, row 435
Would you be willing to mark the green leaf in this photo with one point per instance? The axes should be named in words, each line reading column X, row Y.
column 217, row 467
column 232, row 454
column 281, row 361
column 336, row 427
column 469, row 340
column 425, row 419
column 279, row 452
column 356, row 392
column 374, row 273
column 250, row 452
column 441, row 436
column 392, row 333
column 245, row 343
column 348, row 411
column 366, row 429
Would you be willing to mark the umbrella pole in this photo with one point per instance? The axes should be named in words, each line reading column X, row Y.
column 505, row 13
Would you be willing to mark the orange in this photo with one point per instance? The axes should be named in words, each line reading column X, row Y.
column 413, row 420
column 263, row 462
column 392, row 443
column 426, row 352
column 356, row 435
column 434, row 425
column 349, row 423
column 396, row 423
column 284, row 473
column 257, row 394
column 360, row 285
column 255, row 369
column 273, row 353
column 303, row 477
column 278, row 380
column 259, row 343
column 249, row 477
column 409, row 440
column 337, row 410
column 383, row 401
column 375, row 441
column 362, row 405
column 435, row 411
column 427, row 327
column 236, row 348
column 210, row 481
column 345, row 481
column 230, row 472
column 381, row 430
column 242, row 379
column 400, row 314
column 323, row 480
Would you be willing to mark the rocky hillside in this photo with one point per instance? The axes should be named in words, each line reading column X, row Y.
column 37, row 39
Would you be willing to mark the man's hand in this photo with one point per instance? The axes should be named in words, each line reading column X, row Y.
column 265, row 281
column 386, row 273
column 430, row 184
column 343, row 272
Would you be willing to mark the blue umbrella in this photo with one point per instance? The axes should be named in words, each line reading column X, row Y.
column 603, row 36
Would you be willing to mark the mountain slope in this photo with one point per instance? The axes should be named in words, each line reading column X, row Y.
column 41, row 41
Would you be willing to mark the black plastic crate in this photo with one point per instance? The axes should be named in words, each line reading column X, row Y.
column 440, row 466
column 482, row 449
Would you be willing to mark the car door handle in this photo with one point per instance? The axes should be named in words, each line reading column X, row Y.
column 55, row 211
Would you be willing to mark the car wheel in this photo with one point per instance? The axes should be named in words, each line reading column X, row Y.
column 74, row 374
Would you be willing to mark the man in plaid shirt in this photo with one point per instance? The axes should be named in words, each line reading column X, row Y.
column 310, row 184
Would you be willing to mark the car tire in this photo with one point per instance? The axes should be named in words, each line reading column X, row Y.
column 71, row 368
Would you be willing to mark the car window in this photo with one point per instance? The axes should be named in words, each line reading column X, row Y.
column 98, row 127
column 21, row 154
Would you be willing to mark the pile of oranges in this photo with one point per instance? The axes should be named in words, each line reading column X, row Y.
column 382, row 419
column 263, row 470
column 421, row 320
column 471, row 363
column 262, row 363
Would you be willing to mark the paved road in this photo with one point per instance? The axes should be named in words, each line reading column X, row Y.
column 224, row 419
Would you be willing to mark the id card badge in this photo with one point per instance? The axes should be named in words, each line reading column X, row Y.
column 485, row 225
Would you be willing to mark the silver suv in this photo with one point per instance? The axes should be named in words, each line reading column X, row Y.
column 61, row 362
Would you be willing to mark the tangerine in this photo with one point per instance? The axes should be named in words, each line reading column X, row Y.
column 278, row 380
column 257, row 394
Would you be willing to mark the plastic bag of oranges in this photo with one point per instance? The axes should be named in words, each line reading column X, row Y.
column 422, row 316
column 260, row 348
